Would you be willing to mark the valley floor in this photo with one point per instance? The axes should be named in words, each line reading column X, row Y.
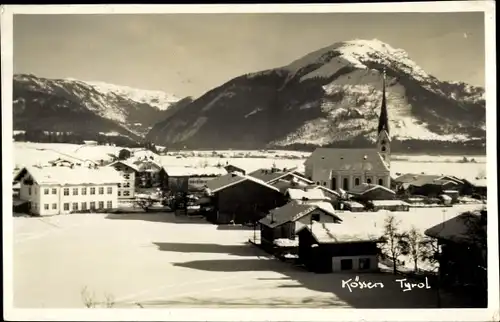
column 159, row 260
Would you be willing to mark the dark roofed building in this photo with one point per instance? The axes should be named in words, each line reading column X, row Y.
column 428, row 185
column 242, row 199
column 366, row 192
column 283, row 222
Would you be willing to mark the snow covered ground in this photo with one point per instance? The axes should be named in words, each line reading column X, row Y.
column 158, row 260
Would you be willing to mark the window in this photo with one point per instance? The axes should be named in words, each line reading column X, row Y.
column 109, row 204
column 84, row 206
column 119, row 193
column 109, row 190
column 126, row 193
column 346, row 264
column 119, row 185
column 66, row 206
column 54, row 191
column 324, row 183
column 84, row 191
column 126, row 185
column 364, row 263
column 101, row 190
column 75, row 205
column 126, row 176
column 66, row 191
column 92, row 191
column 383, row 148
column 356, row 182
column 29, row 191
column 92, row 205
column 46, row 191
column 75, row 191
column 369, row 180
column 381, row 182
column 46, row 206
column 101, row 204
column 54, row 206
column 315, row 217
column 346, row 184
column 334, row 184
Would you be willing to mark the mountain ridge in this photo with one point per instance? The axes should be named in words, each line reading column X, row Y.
column 330, row 96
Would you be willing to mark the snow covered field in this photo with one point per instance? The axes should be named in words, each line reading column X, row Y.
column 25, row 153
column 160, row 261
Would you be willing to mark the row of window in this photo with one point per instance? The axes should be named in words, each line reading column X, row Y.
column 109, row 190
column 345, row 183
column 126, row 193
column 83, row 205
column 125, row 185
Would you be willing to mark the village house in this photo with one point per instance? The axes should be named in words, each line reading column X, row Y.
column 232, row 168
column 68, row 161
column 349, row 246
column 148, row 173
column 347, row 168
column 285, row 221
column 62, row 190
column 242, row 199
column 367, row 192
column 390, row 205
column 352, row 206
column 128, row 172
column 188, row 178
column 428, row 185
column 463, row 252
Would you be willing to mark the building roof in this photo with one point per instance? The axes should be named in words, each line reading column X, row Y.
column 270, row 175
column 348, row 159
column 395, row 202
column 478, row 182
column 366, row 187
column 324, row 189
column 457, row 229
column 126, row 163
column 176, row 171
column 232, row 179
column 311, row 194
column 354, row 204
column 71, row 176
column 411, row 177
column 291, row 211
column 345, row 232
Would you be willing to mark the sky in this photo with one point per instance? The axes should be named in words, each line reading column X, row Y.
column 189, row 54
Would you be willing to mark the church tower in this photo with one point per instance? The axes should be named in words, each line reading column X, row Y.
column 383, row 138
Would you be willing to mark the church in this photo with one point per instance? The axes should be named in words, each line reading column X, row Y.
column 347, row 168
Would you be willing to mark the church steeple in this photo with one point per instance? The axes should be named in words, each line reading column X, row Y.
column 383, row 121
column 383, row 137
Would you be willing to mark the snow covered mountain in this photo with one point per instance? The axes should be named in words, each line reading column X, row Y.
column 74, row 105
column 330, row 97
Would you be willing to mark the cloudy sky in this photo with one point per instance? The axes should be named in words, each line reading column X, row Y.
column 189, row 54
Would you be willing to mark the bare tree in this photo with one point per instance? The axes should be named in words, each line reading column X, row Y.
column 416, row 246
column 109, row 300
column 88, row 299
column 394, row 240
column 145, row 203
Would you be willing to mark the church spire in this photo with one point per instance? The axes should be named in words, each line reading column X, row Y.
column 383, row 121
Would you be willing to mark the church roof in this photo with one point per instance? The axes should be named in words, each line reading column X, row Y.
column 349, row 159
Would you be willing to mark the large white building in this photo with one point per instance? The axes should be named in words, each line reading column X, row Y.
column 347, row 168
column 54, row 190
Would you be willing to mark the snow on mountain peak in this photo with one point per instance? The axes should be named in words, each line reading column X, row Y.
column 158, row 99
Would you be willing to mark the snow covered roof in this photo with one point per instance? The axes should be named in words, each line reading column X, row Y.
column 271, row 175
column 348, row 159
column 312, row 194
column 479, row 182
column 231, row 179
column 366, row 187
column 69, row 176
column 445, row 197
column 293, row 211
column 286, row 242
column 324, row 189
column 389, row 203
column 352, row 230
column 175, row 171
column 126, row 163
column 457, row 229
column 354, row 204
